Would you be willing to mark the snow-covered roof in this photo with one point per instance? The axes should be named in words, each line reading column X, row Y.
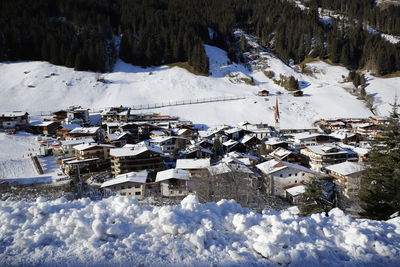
column 346, row 168
column 296, row 190
column 130, row 177
column 274, row 141
column 230, row 142
column 273, row 165
column 12, row 114
column 362, row 125
column 327, row 149
column 134, row 150
column 246, row 138
column 280, row 152
column 116, row 136
column 160, row 139
column 172, row 174
column 86, row 130
column 342, row 134
column 76, row 141
column 233, row 130
column 85, row 146
column 41, row 123
column 70, row 126
column 304, row 136
column 158, row 132
column 223, row 167
column 189, row 164
column 179, row 131
column 361, row 150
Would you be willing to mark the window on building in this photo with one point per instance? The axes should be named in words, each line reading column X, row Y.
column 290, row 174
column 280, row 175
column 303, row 173
column 295, row 174
column 180, row 191
column 295, row 181
column 137, row 186
column 137, row 193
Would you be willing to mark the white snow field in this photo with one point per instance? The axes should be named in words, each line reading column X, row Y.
column 16, row 164
column 40, row 86
column 117, row 231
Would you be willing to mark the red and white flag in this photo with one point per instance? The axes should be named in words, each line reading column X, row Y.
column 276, row 115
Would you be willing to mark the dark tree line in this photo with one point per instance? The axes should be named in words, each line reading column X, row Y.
column 82, row 33
column 385, row 18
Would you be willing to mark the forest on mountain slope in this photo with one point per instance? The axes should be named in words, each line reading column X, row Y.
column 83, row 33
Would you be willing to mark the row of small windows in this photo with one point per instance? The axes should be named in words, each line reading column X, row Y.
column 281, row 175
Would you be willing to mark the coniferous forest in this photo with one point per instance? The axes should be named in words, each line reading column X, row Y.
column 85, row 34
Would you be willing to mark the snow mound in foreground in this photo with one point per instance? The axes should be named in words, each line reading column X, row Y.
column 119, row 231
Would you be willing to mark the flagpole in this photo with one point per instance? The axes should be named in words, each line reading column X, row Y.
column 277, row 116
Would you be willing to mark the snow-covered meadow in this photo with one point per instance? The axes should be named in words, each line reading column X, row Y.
column 119, row 231
column 40, row 86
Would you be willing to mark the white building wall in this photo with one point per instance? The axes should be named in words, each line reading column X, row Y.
column 286, row 178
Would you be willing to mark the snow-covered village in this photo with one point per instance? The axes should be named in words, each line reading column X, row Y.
column 200, row 133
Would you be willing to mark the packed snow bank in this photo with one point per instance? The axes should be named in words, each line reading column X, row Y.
column 119, row 231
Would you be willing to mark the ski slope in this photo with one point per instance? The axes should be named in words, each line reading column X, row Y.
column 40, row 86
column 118, row 231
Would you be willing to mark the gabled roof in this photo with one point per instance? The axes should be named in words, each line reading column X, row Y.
column 275, row 141
column 273, row 166
column 41, row 123
column 346, row 168
column 233, row 130
column 342, row 134
column 223, row 168
column 306, row 135
column 326, row 150
column 172, row 174
column 70, row 126
column 296, row 190
column 246, row 138
column 13, row 114
column 116, row 136
column 77, row 141
column 134, row 150
column 130, row 177
column 230, row 142
column 280, row 152
column 86, row 130
column 189, row 164
column 85, row 146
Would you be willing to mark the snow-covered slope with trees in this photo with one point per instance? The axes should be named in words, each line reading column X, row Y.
column 119, row 231
column 40, row 86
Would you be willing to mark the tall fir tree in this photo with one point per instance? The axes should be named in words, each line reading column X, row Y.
column 380, row 193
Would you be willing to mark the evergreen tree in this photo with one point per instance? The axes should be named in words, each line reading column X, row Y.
column 394, row 115
column 380, row 193
column 319, row 196
column 262, row 150
column 363, row 93
column 217, row 146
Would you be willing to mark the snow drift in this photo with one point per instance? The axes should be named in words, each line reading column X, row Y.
column 119, row 231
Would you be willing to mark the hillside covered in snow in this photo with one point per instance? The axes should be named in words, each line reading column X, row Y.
column 119, row 231
column 40, row 86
